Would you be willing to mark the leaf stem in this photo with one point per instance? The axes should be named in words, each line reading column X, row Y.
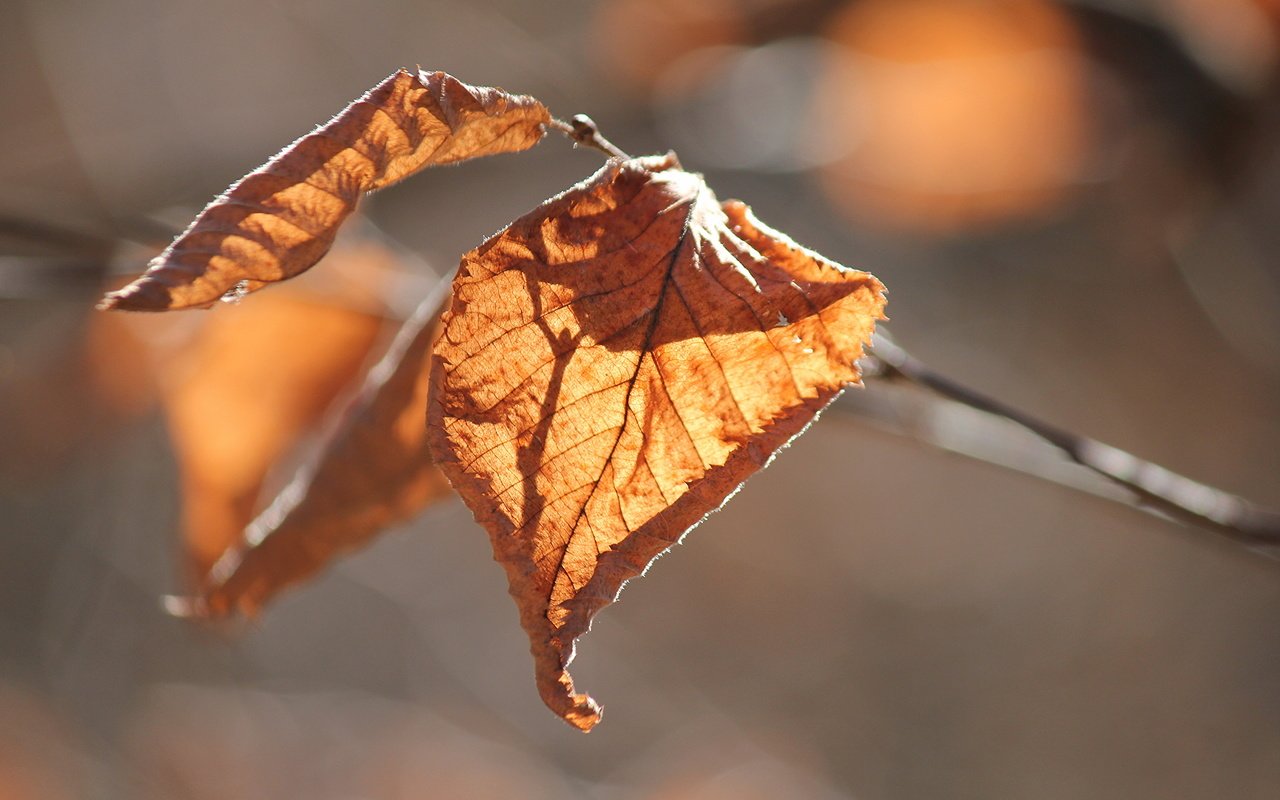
column 1151, row 487
column 583, row 131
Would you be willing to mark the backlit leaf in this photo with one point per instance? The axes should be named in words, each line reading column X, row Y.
column 280, row 219
column 613, row 366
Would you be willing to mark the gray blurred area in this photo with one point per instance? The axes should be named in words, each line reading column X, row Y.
column 869, row 618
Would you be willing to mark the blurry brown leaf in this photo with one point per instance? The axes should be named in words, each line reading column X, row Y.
column 659, row 35
column 280, row 219
column 613, row 366
column 376, row 471
column 938, row 116
column 255, row 378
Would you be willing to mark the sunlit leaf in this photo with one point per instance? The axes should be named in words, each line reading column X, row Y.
column 280, row 219
column 613, row 366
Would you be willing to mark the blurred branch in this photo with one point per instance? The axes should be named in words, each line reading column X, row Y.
column 68, row 258
column 138, row 229
column 1146, row 485
column 53, row 235
column 23, row 277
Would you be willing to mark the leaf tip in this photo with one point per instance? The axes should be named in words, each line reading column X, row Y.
column 141, row 295
column 130, row 297
column 555, row 686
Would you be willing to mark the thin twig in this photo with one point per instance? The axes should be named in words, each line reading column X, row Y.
column 55, row 235
column 583, row 131
column 1153, row 487
column 138, row 229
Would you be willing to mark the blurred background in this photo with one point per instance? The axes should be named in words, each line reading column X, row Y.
column 1074, row 205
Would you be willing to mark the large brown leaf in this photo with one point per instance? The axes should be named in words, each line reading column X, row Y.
column 613, row 366
column 280, row 219
column 375, row 471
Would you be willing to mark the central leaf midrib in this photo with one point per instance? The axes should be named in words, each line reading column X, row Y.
column 626, row 401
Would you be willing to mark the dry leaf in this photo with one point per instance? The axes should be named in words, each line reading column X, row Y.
column 376, row 471
column 280, row 219
column 613, row 366
column 254, row 379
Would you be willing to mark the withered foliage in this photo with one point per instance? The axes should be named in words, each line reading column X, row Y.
column 614, row 365
column 250, row 383
column 280, row 219
column 611, row 367
column 376, row 471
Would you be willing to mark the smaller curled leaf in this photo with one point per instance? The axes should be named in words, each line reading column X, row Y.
column 280, row 219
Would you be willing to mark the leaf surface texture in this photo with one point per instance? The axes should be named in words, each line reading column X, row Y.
column 280, row 219
column 613, row 366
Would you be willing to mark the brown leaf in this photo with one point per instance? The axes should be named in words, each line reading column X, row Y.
column 613, row 366
column 238, row 396
column 280, row 219
column 376, row 471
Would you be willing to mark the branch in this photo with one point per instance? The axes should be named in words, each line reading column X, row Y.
column 138, row 229
column 1147, row 486
column 583, row 131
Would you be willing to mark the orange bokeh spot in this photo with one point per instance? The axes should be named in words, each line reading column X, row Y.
column 636, row 41
column 939, row 115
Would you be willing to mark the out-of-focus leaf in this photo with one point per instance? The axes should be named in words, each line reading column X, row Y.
column 253, row 381
column 376, row 471
column 613, row 366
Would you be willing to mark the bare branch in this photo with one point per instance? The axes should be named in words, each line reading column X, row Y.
column 1147, row 486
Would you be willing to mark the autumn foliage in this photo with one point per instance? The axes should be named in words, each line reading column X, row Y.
column 610, row 368
column 280, row 219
